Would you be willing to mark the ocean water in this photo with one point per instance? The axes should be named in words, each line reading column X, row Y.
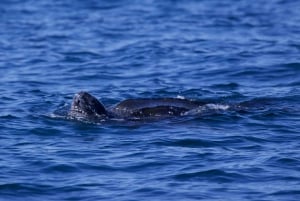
column 230, row 53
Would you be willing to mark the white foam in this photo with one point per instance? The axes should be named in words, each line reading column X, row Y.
column 180, row 97
column 217, row 106
column 208, row 109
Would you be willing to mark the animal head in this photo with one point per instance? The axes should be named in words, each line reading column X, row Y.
column 87, row 105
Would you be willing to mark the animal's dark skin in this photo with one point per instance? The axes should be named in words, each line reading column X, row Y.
column 84, row 104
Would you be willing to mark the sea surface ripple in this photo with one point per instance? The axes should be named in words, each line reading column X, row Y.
column 233, row 52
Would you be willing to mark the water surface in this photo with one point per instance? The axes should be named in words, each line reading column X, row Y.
column 227, row 52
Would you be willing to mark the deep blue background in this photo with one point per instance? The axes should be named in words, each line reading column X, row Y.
column 229, row 51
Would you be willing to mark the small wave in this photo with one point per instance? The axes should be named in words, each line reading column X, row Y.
column 288, row 162
column 8, row 117
column 62, row 168
column 12, row 188
column 192, row 143
column 213, row 174
column 286, row 193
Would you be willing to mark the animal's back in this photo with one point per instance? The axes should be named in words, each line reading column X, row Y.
column 154, row 107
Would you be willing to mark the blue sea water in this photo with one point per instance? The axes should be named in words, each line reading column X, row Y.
column 228, row 52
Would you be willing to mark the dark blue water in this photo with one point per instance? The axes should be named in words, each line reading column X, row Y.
column 228, row 52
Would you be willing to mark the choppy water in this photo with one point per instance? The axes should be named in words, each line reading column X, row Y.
column 228, row 52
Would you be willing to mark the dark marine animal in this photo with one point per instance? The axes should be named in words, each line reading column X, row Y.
column 86, row 105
